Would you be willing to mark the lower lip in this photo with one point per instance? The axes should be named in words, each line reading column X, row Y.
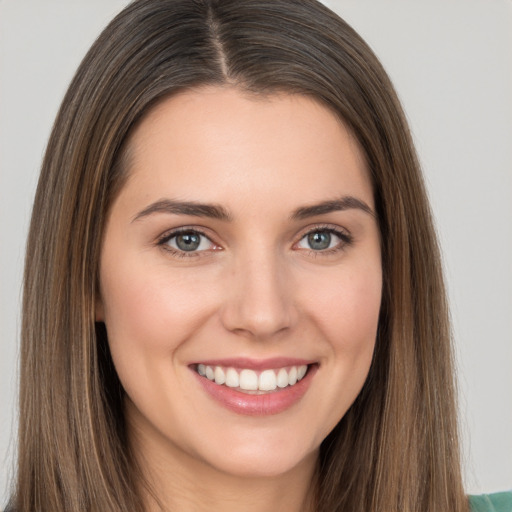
column 265, row 404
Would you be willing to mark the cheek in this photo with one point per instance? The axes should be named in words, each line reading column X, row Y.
column 348, row 318
column 150, row 313
column 149, row 310
column 348, row 311
column 344, row 310
column 350, row 323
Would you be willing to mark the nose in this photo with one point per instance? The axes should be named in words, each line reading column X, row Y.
column 259, row 300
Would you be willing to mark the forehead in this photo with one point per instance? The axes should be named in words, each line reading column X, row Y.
column 215, row 141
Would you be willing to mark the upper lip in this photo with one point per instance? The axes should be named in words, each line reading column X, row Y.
column 255, row 364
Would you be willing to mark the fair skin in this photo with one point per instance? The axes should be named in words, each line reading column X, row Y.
column 255, row 281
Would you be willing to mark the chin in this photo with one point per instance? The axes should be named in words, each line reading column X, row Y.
column 260, row 464
column 263, row 455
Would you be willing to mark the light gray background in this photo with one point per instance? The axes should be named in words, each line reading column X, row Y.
column 451, row 62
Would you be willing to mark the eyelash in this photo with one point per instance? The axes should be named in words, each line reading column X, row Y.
column 346, row 240
column 168, row 236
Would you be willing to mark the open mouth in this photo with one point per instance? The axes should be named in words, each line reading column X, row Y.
column 256, row 388
column 251, row 381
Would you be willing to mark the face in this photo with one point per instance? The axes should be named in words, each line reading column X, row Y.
column 241, row 280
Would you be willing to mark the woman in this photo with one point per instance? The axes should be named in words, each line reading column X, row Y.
column 230, row 199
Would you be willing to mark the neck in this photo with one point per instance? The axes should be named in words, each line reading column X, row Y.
column 200, row 493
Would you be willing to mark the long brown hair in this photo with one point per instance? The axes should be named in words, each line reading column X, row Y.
column 396, row 448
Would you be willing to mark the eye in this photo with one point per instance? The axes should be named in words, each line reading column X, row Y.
column 187, row 241
column 324, row 240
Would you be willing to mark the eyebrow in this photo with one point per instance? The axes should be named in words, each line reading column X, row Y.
column 335, row 205
column 214, row 211
column 192, row 208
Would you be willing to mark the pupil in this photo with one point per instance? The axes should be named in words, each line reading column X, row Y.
column 319, row 240
column 188, row 241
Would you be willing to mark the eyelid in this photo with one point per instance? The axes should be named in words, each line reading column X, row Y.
column 333, row 228
column 162, row 241
column 346, row 238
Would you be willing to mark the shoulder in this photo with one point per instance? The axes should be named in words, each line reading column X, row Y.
column 497, row 502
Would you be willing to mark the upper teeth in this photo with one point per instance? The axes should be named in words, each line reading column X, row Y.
column 249, row 380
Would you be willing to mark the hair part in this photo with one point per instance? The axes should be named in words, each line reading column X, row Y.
column 396, row 448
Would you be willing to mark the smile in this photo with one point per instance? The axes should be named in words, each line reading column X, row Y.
column 256, row 388
column 248, row 380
